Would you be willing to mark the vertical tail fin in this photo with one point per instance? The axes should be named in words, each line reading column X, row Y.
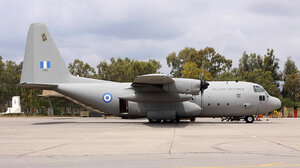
column 42, row 61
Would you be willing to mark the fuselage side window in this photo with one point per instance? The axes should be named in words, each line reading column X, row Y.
column 262, row 98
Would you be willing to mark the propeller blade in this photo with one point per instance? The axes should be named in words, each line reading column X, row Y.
column 203, row 84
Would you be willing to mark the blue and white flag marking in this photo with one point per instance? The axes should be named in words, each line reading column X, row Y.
column 107, row 97
column 45, row 64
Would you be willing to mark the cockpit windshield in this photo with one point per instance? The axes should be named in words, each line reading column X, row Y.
column 257, row 88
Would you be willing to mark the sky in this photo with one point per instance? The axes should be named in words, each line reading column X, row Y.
column 95, row 31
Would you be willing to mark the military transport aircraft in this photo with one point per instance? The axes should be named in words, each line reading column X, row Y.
column 156, row 97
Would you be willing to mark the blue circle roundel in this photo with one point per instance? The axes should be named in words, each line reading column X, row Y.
column 107, row 97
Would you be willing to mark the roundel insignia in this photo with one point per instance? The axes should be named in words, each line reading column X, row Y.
column 107, row 97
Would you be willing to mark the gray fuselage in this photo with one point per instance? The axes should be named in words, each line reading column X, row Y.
column 220, row 99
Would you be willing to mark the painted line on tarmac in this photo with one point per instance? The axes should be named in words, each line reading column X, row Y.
column 41, row 150
column 276, row 164
column 172, row 141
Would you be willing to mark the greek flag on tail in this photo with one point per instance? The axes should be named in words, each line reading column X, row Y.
column 45, row 64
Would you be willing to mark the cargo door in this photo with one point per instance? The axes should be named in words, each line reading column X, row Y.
column 123, row 104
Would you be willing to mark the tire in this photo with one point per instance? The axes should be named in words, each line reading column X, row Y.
column 249, row 119
column 223, row 119
column 168, row 121
column 150, row 121
column 154, row 120
column 193, row 119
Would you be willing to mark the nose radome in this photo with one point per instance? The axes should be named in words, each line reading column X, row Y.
column 275, row 103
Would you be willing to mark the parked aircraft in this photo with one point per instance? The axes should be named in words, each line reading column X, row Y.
column 156, row 97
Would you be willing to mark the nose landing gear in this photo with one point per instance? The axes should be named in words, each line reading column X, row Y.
column 248, row 119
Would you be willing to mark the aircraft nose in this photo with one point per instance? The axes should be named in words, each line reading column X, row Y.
column 275, row 103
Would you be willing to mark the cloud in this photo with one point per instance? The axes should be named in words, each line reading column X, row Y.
column 97, row 30
column 276, row 8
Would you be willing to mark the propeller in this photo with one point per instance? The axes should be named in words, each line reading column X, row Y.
column 203, row 85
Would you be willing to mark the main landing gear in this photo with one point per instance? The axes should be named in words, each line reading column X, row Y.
column 249, row 119
column 159, row 120
column 177, row 120
column 154, row 120
column 193, row 119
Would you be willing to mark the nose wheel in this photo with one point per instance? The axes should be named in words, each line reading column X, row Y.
column 249, row 119
column 192, row 119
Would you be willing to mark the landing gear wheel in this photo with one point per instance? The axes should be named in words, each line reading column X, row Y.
column 154, row 120
column 192, row 119
column 177, row 120
column 249, row 119
column 168, row 121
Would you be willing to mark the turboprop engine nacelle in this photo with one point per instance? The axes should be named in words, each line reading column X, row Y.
column 185, row 86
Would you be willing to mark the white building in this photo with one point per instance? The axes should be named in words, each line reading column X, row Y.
column 16, row 108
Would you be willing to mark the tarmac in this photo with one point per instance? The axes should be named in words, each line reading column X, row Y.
column 116, row 143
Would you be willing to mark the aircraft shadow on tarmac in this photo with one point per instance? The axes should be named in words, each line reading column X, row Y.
column 182, row 124
column 153, row 125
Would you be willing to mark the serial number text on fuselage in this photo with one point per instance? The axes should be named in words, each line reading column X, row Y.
column 229, row 89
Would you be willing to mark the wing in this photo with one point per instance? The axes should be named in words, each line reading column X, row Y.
column 164, row 83
column 152, row 79
column 154, row 88
column 162, row 88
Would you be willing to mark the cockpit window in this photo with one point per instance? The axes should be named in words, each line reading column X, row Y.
column 255, row 89
column 258, row 88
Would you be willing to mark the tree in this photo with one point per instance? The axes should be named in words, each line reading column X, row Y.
column 227, row 76
column 264, row 71
column 206, row 58
column 79, row 68
column 31, row 100
column 177, row 61
column 190, row 70
column 214, row 62
column 250, row 62
column 291, row 87
column 2, row 84
column 10, row 74
column 125, row 70
column 290, row 67
column 271, row 63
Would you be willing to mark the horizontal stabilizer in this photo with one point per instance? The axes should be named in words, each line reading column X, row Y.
column 37, row 85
